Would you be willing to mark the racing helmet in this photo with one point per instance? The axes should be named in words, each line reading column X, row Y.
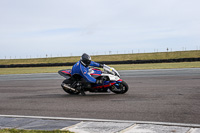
column 85, row 60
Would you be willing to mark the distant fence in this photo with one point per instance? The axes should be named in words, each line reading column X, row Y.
column 104, row 62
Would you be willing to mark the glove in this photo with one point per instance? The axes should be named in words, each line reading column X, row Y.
column 101, row 65
column 99, row 81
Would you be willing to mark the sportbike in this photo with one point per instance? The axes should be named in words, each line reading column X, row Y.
column 73, row 84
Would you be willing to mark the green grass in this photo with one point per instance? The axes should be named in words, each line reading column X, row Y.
column 142, row 56
column 28, row 70
column 157, row 66
column 31, row 131
column 119, row 57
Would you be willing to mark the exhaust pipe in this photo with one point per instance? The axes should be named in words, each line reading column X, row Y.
column 67, row 87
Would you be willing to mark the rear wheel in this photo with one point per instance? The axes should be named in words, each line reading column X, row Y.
column 121, row 88
column 68, row 82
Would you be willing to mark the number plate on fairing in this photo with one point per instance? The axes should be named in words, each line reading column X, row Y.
column 111, row 77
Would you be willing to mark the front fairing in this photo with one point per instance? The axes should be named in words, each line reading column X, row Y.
column 112, row 80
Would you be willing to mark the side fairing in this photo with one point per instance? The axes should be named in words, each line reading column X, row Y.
column 111, row 77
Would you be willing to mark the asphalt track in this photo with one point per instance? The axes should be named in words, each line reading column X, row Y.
column 167, row 95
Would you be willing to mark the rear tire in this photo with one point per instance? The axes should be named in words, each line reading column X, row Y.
column 121, row 89
column 71, row 92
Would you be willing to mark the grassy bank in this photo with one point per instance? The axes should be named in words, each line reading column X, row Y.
column 28, row 70
column 119, row 57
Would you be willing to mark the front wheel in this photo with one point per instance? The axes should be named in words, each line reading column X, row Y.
column 120, row 88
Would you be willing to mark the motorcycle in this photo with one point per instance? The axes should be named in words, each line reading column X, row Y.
column 74, row 85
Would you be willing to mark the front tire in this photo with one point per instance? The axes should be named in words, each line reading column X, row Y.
column 121, row 89
column 71, row 92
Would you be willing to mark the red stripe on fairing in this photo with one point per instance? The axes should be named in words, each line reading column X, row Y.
column 119, row 80
column 95, row 74
column 104, row 86
column 96, row 69
column 66, row 72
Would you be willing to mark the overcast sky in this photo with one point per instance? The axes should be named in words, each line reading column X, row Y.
column 71, row 27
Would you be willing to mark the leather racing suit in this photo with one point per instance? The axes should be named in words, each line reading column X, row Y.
column 80, row 69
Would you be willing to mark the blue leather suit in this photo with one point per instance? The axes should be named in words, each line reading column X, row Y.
column 80, row 69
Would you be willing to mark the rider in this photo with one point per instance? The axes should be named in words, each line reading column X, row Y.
column 82, row 68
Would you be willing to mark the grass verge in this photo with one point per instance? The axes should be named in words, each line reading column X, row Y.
column 117, row 57
column 31, row 131
column 29, row 70
column 157, row 66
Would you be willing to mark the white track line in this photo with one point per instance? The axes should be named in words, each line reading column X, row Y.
column 105, row 120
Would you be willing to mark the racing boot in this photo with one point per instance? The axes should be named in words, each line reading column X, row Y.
column 78, row 87
column 81, row 90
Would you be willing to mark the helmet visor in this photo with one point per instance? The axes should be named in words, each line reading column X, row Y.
column 87, row 62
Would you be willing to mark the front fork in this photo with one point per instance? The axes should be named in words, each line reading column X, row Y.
column 117, row 84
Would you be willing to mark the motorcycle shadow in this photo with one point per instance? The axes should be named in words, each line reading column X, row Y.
column 60, row 96
column 91, row 95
